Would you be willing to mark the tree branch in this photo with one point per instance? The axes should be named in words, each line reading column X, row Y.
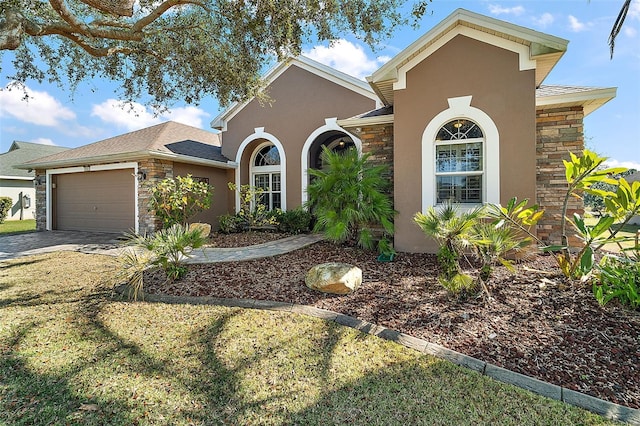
column 161, row 9
column 69, row 18
column 112, row 7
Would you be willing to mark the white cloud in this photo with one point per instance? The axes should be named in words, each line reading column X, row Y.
column 544, row 20
column 575, row 24
column 40, row 108
column 496, row 9
column 634, row 10
column 347, row 57
column 136, row 116
column 628, row 164
column 630, row 32
column 44, row 141
column 186, row 115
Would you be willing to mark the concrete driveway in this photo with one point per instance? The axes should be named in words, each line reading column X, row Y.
column 17, row 245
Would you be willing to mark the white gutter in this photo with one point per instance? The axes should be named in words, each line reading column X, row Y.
column 366, row 121
column 129, row 156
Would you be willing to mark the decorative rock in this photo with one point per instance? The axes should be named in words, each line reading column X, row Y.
column 204, row 228
column 335, row 278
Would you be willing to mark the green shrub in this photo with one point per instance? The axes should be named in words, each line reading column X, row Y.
column 167, row 248
column 618, row 278
column 454, row 230
column 252, row 214
column 176, row 200
column 295, row 221
column 5, row 206
column 348, row 198
column 229, row 223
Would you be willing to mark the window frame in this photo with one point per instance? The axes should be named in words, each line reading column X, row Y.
column 460, row 108
column 461, row 141
column 270, row 170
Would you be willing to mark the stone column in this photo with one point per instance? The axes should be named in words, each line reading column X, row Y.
column 40, row 184
column 153, row 171
column 559, row 131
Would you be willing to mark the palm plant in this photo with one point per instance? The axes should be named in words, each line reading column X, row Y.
column 167, row 248
column 348, row 198
column 492, row 244
column 454, row 230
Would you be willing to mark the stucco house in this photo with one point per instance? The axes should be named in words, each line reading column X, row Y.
column 461, row 114
column 17, row 184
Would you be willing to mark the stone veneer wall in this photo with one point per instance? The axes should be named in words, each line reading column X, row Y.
column 558, row 132
column 378, row 141
column 155, row 171
column 41, row 200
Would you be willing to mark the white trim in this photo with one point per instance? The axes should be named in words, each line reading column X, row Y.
column 331, row 74
column 366, row 121
column 131, row 156
column 525, row 62
column 16, row 178
column 461, row 108
column 541, row 43
column 270, row 170
column 330, row 124
column 94, row 168
column 259, row 133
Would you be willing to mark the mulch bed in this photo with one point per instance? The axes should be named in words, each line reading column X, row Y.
column 537, row 323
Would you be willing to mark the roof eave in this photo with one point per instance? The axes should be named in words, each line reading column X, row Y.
column 366, row 121
column 541, row 44
column 128, row 156
column 17, row 177
column 591, row 100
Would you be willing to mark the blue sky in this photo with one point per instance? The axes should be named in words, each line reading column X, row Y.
column 54, row 116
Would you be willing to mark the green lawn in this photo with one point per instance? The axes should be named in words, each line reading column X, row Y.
column 17, row 226
column 627, row 231
column 71, row 353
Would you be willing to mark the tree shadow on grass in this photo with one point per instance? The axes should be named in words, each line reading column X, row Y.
column 31, row 398
column 221, row 381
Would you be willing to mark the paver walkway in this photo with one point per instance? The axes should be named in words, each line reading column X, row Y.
column 273, row 248
column 18, row 245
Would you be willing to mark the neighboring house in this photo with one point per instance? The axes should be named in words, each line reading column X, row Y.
column 17, row 184
column 461, row 114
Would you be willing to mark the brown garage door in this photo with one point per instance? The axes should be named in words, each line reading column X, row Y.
column 95, row 201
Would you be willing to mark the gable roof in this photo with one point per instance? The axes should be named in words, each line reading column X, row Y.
column 169, row 140
column 21, row 152
column 536, row 50
column 338, row 77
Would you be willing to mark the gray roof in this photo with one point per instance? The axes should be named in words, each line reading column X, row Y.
column 556, row 90
column 165, row 138
column 198, row 150
column 23, row 152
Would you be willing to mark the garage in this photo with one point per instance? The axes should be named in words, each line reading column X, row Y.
column 101, row 201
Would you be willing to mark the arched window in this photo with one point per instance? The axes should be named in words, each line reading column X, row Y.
column 459, row 163
column 266, row 174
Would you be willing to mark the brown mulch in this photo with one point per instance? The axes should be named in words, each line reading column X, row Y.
column 536, row 324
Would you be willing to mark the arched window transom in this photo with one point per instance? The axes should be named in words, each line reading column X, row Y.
column 267, row 156
column 459, row 163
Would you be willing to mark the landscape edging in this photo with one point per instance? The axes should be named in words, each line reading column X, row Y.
column 599, row 406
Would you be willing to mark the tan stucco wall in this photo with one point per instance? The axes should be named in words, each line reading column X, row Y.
column 491, row 75
column 300, row 102
column 222, row 196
